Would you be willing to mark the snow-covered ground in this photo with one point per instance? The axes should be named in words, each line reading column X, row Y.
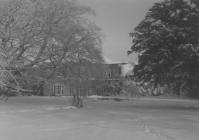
column 52, row 118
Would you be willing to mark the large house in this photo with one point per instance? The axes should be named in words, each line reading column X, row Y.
column 107, row 82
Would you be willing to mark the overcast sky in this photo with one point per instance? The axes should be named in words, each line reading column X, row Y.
column 118, row 18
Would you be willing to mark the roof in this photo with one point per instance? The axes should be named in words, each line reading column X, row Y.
column 107, row 60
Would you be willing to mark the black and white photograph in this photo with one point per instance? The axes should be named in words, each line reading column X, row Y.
column 99, row 69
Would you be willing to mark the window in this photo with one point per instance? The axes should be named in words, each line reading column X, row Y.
column 58, row 89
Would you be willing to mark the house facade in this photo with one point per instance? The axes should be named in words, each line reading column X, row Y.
column 103, row 79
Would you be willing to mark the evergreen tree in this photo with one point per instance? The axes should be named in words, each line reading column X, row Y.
column 167, row 42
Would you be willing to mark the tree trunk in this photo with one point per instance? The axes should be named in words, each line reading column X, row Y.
column 77, row 99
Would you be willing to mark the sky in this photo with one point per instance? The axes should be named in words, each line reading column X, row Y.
column 117, row 18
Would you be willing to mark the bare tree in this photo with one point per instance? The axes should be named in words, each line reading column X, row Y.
column 36, row 33
column 81, row 61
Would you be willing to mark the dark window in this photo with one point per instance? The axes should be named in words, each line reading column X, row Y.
column 58, row 89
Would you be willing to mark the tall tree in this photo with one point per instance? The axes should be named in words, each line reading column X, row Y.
column 42, row 34
column 167, row 42
column 81, row 62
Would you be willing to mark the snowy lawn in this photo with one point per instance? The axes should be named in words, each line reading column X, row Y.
column 52, row 118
